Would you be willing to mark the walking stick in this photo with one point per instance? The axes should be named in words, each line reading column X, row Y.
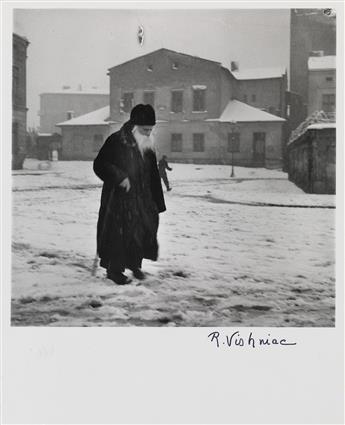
column 94, row 265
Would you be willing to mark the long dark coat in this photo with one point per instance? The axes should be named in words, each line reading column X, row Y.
column 128, row 221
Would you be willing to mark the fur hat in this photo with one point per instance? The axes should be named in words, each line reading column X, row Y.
column 143, row 115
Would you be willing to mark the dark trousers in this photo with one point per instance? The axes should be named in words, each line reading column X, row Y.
column 164, row 177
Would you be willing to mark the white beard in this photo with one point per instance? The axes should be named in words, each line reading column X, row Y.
column 144, row 142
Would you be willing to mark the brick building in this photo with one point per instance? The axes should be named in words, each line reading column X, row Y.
column 58, row 106
column 19, row 108
column 190, row 96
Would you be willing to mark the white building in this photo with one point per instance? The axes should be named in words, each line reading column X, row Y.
column 322, row 84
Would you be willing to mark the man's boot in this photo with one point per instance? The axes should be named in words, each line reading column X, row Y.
column 119, row 278
column 138, row 274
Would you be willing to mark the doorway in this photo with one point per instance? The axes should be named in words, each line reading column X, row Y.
column 259, row 149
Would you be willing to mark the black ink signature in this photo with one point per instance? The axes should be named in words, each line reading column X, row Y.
column 235, row 339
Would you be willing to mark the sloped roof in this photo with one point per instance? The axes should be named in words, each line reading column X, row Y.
column 322, row 125
column 163, row 49
column 246, row 74
column 98, row 117
column 316, row 63
column 241, row 112
column 258, row 73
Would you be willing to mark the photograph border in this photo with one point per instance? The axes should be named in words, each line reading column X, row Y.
column 167, row 375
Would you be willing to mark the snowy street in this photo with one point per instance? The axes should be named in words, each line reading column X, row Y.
column 253, row 250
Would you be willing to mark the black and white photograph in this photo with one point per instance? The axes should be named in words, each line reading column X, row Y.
column 163, row 176
column 172, row 212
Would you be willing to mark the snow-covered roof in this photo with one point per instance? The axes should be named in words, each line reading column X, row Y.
column 316, row 63
column 74, row 91
column 316, row 121
column 44, row 134
column 98, row 117
column 321, row 125
column 241, row 112
column 258, row 73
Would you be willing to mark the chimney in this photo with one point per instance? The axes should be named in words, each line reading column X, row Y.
column 317, row 53
column 234, row 66
column 70, row 115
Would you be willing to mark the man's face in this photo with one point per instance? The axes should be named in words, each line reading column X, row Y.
column 145, row 130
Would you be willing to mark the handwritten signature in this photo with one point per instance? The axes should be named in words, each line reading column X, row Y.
column 236, row 340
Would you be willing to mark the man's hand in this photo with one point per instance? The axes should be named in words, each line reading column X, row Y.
column 125, row 184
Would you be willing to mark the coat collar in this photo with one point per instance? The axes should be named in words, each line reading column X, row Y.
column 126, row 135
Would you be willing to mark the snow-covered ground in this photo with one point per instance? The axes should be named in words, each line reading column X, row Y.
column 253, row 250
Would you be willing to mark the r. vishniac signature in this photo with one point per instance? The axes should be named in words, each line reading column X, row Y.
column 236, row 340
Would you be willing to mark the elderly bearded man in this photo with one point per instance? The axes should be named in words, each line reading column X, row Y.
column 132, row 197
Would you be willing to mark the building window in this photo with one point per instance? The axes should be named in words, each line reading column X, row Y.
column 127, row 102
column 97, row 142
column 177, row 101
column 199, row 99
column 329, row 78
column 149, row 98
column 150, row 68
column 245, row 98
column 15, row 83
column 328, row 102
column 233, row 142
column 272, row 110
column 176, row 142
column 253, row 97
column 174, row 65
column 198, row 142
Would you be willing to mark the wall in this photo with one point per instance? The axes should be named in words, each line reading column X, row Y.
column 228, row 88
column 312, row 161
column 269, row 93
column 19, row 109
column 54, row 107
column 212, row 153
column 216, row 142
column 77, row 141
column 318, row 85
column 134, row 76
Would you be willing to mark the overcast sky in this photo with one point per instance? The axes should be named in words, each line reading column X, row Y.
column 71, row 47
